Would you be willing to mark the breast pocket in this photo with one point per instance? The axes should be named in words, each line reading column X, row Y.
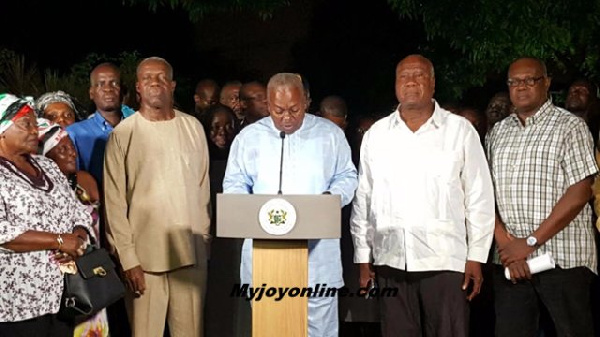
column 443, row 166
column 442, row 170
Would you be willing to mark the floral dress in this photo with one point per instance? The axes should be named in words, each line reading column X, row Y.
column 31, row 283
column 97, row 325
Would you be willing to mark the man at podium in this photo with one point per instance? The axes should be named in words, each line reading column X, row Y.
column 296, row 153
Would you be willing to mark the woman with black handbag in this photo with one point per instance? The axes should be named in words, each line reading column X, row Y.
column 42, row 227
column 56, row 145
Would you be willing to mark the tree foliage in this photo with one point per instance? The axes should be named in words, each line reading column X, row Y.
column 23, row 78
column 473, row 40
column 198, row 9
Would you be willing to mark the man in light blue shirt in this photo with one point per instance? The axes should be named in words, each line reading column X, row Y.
column 316, row 160
column 89, row 136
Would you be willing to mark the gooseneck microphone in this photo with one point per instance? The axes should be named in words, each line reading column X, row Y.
column 282, row 136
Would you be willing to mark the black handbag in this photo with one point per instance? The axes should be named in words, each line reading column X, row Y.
column 94, row 286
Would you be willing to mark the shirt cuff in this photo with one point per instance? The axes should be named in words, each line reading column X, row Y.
column 128, row 259
column 362, row 255
column 478, row 255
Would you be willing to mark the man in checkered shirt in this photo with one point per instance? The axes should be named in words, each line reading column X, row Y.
column 542, row 165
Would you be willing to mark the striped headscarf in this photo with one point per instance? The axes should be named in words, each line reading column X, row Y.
column 11, row 109
column 49, row 134
column 54, row 97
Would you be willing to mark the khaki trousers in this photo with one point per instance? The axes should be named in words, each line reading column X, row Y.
column 177, row 296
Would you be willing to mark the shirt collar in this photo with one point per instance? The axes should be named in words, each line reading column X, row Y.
column 101, row 121
column 436, row 120
column 539, row 115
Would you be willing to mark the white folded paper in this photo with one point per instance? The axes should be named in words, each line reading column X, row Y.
column 536, row 265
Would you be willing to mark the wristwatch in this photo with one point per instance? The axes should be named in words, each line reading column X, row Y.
column 532, row 241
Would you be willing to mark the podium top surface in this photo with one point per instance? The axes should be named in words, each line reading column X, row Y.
column 270, row 216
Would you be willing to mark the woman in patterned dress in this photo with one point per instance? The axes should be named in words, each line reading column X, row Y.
column 56, row 145
column 41, row 228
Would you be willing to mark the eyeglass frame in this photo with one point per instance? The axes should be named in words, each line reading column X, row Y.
column 529, row 82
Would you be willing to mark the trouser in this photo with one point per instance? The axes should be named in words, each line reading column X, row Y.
column 43, row 326
column 564, row 292
column 323, row 318
column 178, row 296
column 428, row 303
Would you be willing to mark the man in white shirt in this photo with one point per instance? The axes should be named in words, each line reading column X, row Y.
column 424, row 210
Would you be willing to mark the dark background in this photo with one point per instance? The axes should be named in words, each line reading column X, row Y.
column 349, row 48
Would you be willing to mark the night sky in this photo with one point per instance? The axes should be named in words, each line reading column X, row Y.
column 349, row 48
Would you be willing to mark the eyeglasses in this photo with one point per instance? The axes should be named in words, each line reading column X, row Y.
column 528, row 81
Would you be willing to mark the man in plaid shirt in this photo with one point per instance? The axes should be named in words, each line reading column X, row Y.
column 542, row 165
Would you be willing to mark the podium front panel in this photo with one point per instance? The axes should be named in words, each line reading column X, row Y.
column 317, row 216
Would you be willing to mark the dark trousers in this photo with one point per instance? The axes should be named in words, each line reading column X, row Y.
column 428, row 304
column 565, row 293
column 44, row 326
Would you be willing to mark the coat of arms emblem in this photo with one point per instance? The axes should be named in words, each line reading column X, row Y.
column 277, row 216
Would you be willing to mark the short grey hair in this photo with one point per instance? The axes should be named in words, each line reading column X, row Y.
column 289, row 80
column 156, row 59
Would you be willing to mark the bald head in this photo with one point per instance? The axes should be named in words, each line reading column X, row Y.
column 104, row 67
column 530, row 62
column 156, row 59
column 415, row 84
column 334, row 109
column 416, row 58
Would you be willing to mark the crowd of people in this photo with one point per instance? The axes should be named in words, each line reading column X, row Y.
column 439, row 202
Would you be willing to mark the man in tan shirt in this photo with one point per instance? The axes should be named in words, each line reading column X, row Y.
column 157, row 203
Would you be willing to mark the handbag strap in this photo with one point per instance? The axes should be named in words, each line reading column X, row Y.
column 93, row 241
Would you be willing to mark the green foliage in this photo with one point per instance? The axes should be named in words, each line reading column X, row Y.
column 470, row 41
column 198, row 9
column 16, row 76
column 23, row 79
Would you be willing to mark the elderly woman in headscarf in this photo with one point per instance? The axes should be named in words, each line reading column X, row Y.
column 43, row 228
column 56, row 145
column 57, row 107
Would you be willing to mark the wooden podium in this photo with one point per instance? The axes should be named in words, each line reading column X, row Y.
column 279, row 260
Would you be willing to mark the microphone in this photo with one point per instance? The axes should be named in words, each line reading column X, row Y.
column 282, row 136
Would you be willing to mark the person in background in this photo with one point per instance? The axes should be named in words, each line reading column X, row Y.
column 582, row 101
column 253, row 102
column 334, row 109
column 206, row 95
column 56, row 145
column 476, row 118
column 361, row 125
column 42, row 228
column 230, row 96
column 89, row 136
column 57, row 107
column 498, row 108
column 226, row 316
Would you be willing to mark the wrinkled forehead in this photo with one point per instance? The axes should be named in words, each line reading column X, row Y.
column 525, row 67
column 294, row 90
column 414, row 63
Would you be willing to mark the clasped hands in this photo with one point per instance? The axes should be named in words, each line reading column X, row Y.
column 513, row 255
column 71, row 247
